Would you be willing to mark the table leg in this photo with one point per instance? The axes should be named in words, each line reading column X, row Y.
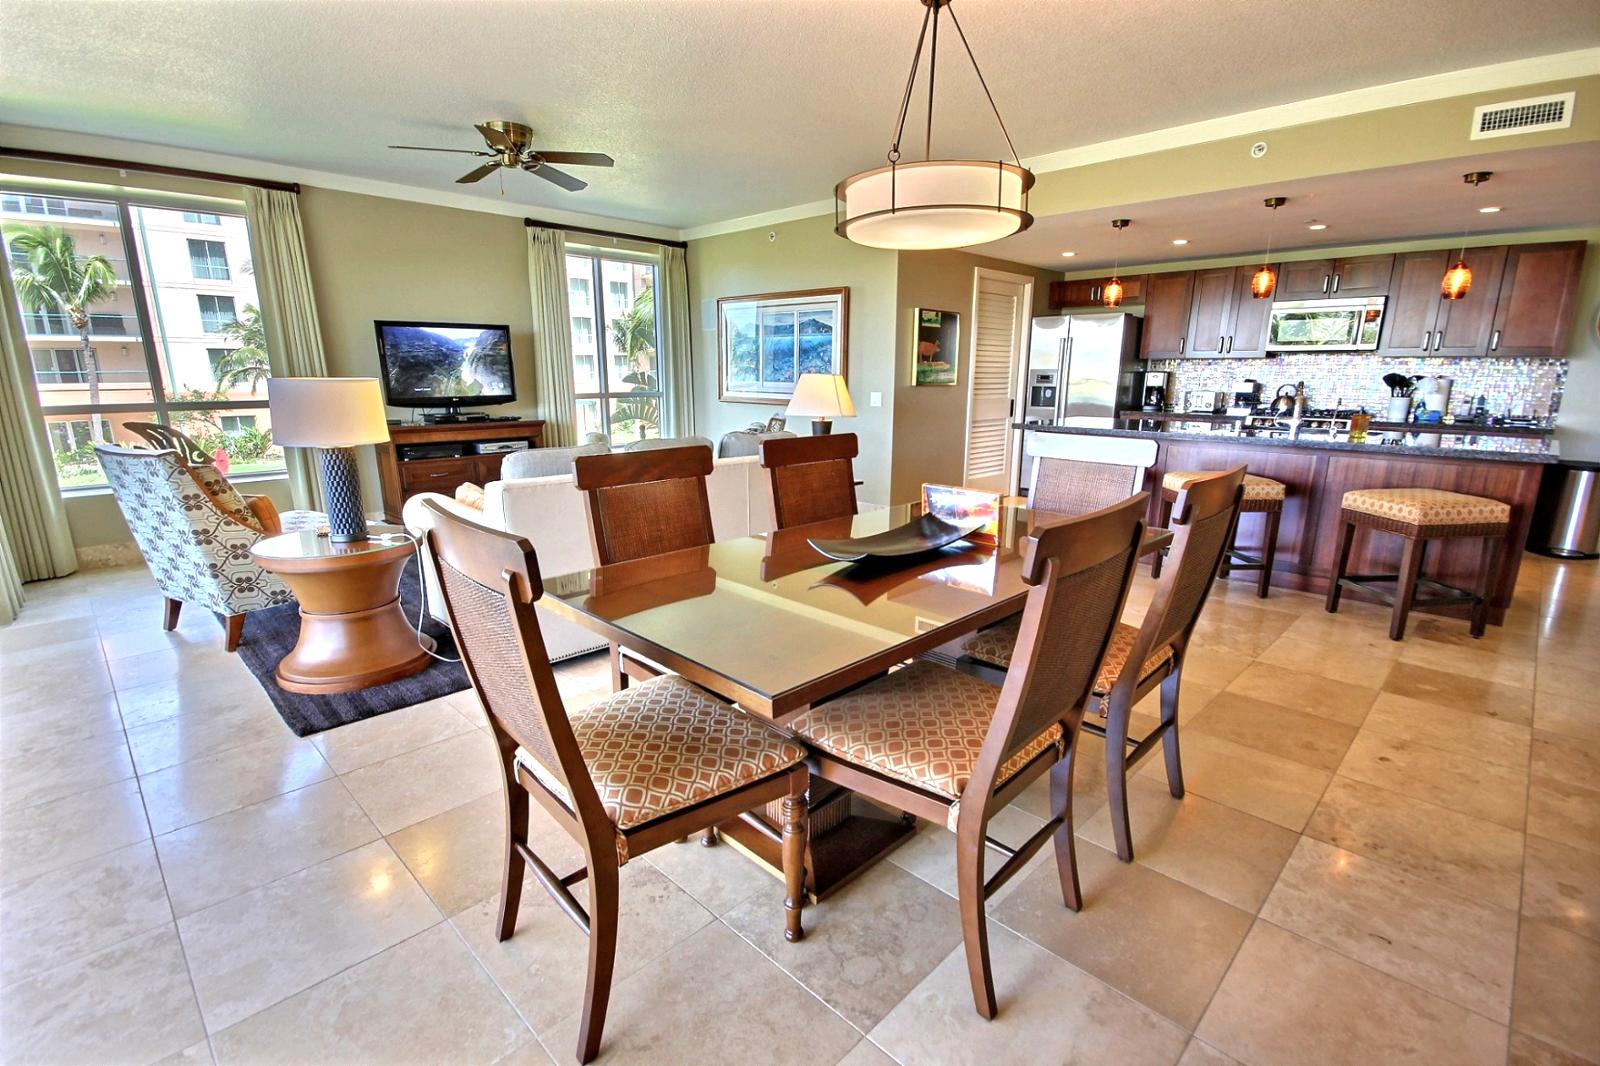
column 353, row 633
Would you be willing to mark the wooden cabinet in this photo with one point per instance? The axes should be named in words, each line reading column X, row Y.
column 1247, row 319
column 408, row 465
column 1086, row 292
column 1413, row 306
column 1166, row 315
column 1464, row 325
column 1224, row 319
column 1314, row 279
column 1308, row 279
column 1537, row 297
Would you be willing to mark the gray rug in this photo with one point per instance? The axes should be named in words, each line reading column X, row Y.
column 269, row 635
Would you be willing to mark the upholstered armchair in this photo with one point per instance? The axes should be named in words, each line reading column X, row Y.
column 260, row 510
column 196, row 544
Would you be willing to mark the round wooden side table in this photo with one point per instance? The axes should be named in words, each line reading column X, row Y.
column 353, row 634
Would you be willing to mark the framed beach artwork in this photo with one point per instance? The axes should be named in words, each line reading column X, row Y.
column 765, row 342
column 938, row 351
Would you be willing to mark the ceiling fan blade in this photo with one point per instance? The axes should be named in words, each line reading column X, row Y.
column 496, row 139
column 579, row 159
column 419, row 148
column 479, row 174
column 558, row 177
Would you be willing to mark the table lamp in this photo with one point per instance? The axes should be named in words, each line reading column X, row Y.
column 822, row 398
column 335, row 416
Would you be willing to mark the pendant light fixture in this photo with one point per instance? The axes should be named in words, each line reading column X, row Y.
column 1264, row 282
column 934, row 203
column 1458, row 279
column 1112, row 296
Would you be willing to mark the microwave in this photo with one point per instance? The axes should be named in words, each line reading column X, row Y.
column 1325, row 325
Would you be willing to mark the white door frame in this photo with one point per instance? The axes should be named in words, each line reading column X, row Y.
column 1019, row 363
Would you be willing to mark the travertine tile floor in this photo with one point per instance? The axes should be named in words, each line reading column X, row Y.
column 1388, row 853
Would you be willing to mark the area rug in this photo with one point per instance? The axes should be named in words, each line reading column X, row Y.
column 269, row 635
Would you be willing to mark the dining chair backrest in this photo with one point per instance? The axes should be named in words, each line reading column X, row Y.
column 1203, row 518
column 489, row 581
column 646, row 502
column 1079, row 572
column 1075, row 487
column 812, row 478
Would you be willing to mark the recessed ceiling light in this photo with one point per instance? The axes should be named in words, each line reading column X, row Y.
column 1488, row 210
column 1316, row 225
column 1068, row 255
column 1181, row 240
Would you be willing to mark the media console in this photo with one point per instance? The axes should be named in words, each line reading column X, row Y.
column 439, row 458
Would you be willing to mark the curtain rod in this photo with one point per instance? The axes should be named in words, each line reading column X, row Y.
column 146, row 168
column 532, row 222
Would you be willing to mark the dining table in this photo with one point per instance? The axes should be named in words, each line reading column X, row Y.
column 774, row 627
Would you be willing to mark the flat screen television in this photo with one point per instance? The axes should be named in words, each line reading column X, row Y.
column 445, row 364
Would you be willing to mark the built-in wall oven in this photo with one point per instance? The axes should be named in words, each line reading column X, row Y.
column 1325, row 325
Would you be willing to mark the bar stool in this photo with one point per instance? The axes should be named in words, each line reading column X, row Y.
column 1420, row 516
column 1262, row 495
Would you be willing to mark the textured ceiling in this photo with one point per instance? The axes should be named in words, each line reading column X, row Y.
column 1536, row 188
column 714, row 109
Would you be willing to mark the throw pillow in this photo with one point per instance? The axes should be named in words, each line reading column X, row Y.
column 469, row 495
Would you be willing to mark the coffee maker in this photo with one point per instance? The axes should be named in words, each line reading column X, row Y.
column 1154, row 391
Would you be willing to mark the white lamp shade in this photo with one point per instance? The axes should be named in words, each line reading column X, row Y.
column 938, row 203
column 821, row 396
column 326, row 412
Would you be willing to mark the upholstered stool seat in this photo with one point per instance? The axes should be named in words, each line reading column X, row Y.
column 1262, row 495
column 1420, row 516
column 993, row 646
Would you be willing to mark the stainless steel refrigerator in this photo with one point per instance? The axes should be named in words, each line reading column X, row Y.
column 1082, row 370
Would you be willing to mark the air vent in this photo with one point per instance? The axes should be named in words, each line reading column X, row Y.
column 1523, row 116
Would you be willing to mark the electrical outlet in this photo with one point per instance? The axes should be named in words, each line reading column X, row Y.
column 874, row 399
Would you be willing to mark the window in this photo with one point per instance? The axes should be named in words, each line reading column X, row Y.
column 215, row 312
column 578, row 296
column 208, row 259
column 149, row 350
column 616, row 370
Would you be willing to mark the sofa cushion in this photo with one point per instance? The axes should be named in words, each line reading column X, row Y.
column 653, row 443
column 547, row 462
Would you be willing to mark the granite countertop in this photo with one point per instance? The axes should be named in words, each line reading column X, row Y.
column 1491, row 448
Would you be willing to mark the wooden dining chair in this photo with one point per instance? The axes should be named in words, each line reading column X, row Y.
column 812, row 478
column 637, row 770
column 644, row 503
column 946, row 746
column 1075, row 487
column 1203, row 519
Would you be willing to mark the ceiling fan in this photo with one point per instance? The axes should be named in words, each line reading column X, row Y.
column 511, row 145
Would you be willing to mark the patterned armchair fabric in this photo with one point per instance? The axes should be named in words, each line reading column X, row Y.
column 198, row 552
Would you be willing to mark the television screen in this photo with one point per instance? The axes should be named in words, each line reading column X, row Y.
column 452, row 364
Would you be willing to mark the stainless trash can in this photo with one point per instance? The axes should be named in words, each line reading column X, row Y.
column 1566, row 522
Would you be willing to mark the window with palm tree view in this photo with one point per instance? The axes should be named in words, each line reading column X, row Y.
column 614, row 328
column 136, row 312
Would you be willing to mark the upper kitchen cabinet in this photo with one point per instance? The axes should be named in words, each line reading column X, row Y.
column 1086, row 292
column 1314, row 279
column 1465, row 326
column 1414, row 301
column 1224, row 319
column 1166, row 315
column 1537, row 298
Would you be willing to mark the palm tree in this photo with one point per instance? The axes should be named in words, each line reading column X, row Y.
column 247, row 363
column 53, row 279
column 634, row 335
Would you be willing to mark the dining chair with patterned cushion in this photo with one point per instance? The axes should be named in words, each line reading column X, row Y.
column 643, row 503
column 812, row 478
column 641, row 768
column 1203, row 519
column 954, row 749
column 198, row 551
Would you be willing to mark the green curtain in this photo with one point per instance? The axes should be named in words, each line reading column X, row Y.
column 677, row 358
column 289, row 310
column 552, row 336
column 35, row 541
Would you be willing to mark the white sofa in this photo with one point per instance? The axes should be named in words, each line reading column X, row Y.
column 549, row 512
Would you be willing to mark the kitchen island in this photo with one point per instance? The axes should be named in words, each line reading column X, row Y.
column 1318, row 472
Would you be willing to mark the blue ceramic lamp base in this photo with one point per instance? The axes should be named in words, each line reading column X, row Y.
column 341, row 490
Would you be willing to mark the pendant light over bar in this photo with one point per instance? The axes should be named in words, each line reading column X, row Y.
column 1458, row 279
column 1112, row 296
column 934, row 203
column 1265, row 281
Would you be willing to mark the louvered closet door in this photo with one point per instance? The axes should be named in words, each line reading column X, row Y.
column 1000, row 313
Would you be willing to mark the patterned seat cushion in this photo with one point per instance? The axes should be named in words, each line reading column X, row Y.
column 1255, row 488
column 1428, row 507
column 663, row 745
column 993, row 646
column 924, row 725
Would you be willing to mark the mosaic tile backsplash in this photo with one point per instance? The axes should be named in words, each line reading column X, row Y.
column 1523, row 387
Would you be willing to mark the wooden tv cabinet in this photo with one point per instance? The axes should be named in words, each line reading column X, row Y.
column 403, row 478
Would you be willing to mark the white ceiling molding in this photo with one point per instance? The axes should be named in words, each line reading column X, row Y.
column 1496, row 76
column 165, row 155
